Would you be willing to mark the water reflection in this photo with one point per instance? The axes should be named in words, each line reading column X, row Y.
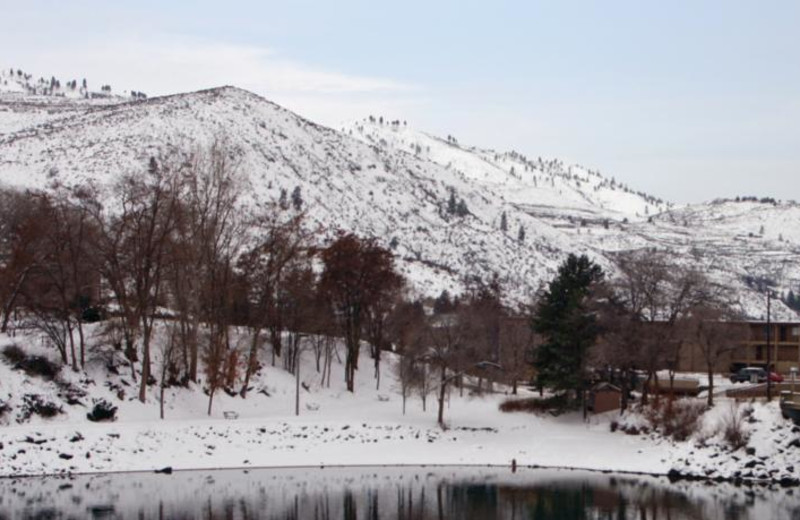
column 388, row 493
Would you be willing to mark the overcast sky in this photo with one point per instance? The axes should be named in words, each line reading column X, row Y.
column 686, row 100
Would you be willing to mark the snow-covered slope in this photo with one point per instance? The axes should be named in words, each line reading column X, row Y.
column 345, row 183
column 742, row 244
column 541, row 185
column 390, row 181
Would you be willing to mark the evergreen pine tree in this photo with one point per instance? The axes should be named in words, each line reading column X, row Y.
column 792, row 301
column 521, row 234
column 461, row 209
column 568, row 329
column 503, row 222
column 282, row 201
column 297, row 198
column 451, row 203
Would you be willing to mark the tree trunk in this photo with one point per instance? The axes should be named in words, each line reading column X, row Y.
column 646, row 389
column 210, row 399
column 194, row 345
column 72, row 346
column 671, row 384
column 161, row 398
column 378, row 370
column 146, row 331
column 275, row 338
column 442, row 390
column 252, row 359
column 12, row 298
column 710, row 385
column 350, row 367
column 82, row 343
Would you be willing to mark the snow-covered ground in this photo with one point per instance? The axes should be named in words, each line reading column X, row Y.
column 336, row 427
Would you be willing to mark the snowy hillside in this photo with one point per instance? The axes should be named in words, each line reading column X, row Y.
column 739, row 243
column 345, row 183
column 539, row 185
column 390, row 181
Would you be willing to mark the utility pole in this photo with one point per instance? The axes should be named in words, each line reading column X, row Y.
column 769, row 345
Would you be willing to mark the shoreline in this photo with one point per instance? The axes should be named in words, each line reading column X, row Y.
column 672, row 475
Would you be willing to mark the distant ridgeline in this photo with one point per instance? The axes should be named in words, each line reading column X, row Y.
column 16, row 80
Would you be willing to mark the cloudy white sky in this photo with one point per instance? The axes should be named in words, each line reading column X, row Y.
column 687, row 100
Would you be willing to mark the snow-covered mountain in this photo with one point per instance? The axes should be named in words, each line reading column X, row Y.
column 743, row 243
column 385, row 179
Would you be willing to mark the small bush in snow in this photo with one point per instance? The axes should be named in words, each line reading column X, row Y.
column 31, row 365
column 679, row 419
column 14, row 354
column 555, row 404
column 40, row 366
column 34, row 404
column 733, row 430
column 102, row 411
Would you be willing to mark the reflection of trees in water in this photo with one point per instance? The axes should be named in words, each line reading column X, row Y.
column 401, row 496
column 563, row 500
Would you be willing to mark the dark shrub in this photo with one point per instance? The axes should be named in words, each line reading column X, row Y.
column 555, row 404
column 31, row 365
column 35, row 405
column 13, row 354
column 93, row 314
column 102, row 411
column 4, row 408
column 40, row 366
column 70, row 393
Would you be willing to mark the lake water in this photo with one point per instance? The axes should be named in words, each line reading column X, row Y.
column 389, row 493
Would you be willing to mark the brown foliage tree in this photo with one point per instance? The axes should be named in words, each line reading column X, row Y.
column 21, row 251
column 357, row 275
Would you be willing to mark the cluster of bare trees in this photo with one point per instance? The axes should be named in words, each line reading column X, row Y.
column 476, row 337
column 165, row 238
column 652, row 311
column 173, row 244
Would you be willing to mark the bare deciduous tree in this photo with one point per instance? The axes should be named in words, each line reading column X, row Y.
column 281, row 243
column 716, row 335
column 660, row 292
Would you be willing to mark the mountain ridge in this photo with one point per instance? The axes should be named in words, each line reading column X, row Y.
column 394, row 183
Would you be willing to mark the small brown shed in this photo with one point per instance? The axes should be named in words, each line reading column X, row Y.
column 604, row 397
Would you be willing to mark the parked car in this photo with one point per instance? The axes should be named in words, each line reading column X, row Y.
column 757, row 374
column 775, row 377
